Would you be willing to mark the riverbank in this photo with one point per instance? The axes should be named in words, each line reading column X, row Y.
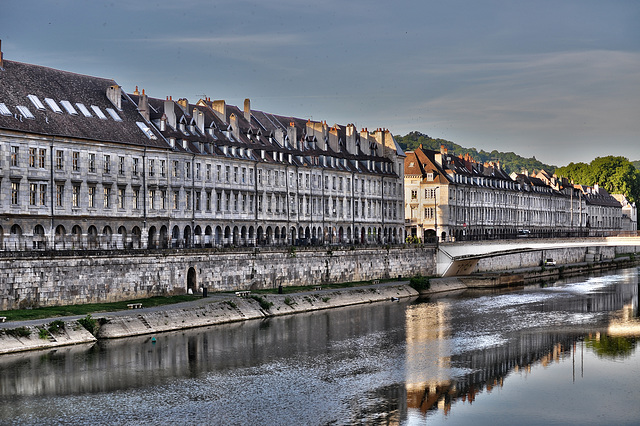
column 220, row 308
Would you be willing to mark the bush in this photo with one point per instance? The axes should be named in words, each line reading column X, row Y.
column 264, row 304
column 419, row 283
column 89, row 324
column 43, row 333
column 289, row 301
column 18, row 332
column 56, row 326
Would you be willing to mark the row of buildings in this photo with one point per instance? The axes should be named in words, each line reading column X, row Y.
column 456, row 198
column 83, row 164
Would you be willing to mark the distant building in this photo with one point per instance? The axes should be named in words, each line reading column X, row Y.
column 456, row 198
column 629, row 214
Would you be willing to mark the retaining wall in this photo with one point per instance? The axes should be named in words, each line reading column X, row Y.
column 48, row 279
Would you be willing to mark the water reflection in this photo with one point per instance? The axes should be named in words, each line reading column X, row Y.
column 400, row 362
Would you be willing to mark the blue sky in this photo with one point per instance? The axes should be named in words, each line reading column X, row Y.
column 558, row 80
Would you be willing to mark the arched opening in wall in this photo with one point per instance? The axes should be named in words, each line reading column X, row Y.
column 369, row 235
column 276, row 234
column 227, row 235
column 379, row 235
column 175, row 236
column 320, row 234
column 243, row 236
column 252, row 236
column 218, row 236
column 363, row 235
column 107, row 233
column 236, row 236
column 136, row 237
column 191, row 281
column 293, row 235
column 260, row 235
column 197, row 236
column 151, row 240
column 307, row 233
column 39, row 240
column 341, row 234
column 76, row 238
column 162, row 241
column 16, row 236
column 186, row 235
column 349, row 235
column 443, row 237
column 92, row 236
column 1, row 238
column 269, row 235
column 313, row 235
column 207, row 236
column 122, row 234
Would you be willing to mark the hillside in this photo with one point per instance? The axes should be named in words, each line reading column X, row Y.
column 509, row 161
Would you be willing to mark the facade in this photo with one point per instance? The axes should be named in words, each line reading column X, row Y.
column 456, row 198
column 83, row 164
column 629, row 214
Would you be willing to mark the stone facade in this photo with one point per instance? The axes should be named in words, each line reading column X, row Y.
column 42, row 279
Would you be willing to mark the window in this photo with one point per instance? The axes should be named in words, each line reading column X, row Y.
column 135, row 198
column 235, row 202
column 15, row 156
column 70, row 109
column 15, row 193
column 227, row 206
column 33, row 194
column 244, row 174
column 43, row 194
column 75, row 196
column 121, row 196
column 92, row 163
column 134, row 167
column 75, row 161
column 91, row 192
column 25, row 112
column 187, row 170
column 227, row 172
column 59, row 160
column 208, row 201
column 429, row 213
column 151, row 167
column 430, row 193
column 107, row 164
column 53, row 105
column 188, row 204
column 107, row 197
column 208, row 172
column 414, row 194
column 97, row 111
column 60, row 195
column 145, row 129
column 152, row 198
column 219, row 169
column 163, row 199
column 176, row 168
column 4, row 110
column 36, row 102
column 198, row 196
column 219, row 201
column 176, row 199
column 83, row 109
column 198, row 165
column 163, row 171
column 32, row 157
column 114, row 114
column 42, row 158
column 235, row 175
column 121, row 166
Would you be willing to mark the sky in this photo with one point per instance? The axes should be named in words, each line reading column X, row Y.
column 557, row 79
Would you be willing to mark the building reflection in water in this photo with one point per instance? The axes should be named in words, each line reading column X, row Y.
column 444, row 363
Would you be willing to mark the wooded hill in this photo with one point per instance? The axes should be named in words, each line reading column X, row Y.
column 509, row 161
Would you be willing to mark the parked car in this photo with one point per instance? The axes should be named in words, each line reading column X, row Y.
column 549, row 262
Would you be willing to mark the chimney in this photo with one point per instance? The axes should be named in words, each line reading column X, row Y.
column 170, row 113
column 247, row 110
column 163, row 123
column 220, row 108
column 114, row 93
column 143, row 105
column 199, row 118
column 184, row 103
column 233, row 122
column 292, row 133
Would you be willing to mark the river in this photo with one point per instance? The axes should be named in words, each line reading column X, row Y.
column 562, row 353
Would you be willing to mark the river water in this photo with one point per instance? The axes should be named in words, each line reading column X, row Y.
column 563, row 353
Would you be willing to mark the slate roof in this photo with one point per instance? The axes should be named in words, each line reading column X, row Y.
column 18, row 80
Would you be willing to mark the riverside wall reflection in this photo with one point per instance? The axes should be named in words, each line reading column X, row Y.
column 138, row 362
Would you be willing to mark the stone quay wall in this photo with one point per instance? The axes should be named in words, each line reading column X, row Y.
column 33, row 279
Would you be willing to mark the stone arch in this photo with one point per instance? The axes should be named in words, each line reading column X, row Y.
column 349, row 234
column 207, row 236
column 293, row 234
column 92, row 236
column 341, row 234
column 186, row 235
column 276, row 233
column 175, row 236
column 16, row 230
column 197, row 236
column 192, row 281
column 243, row 235
column 307, row 233
column 163, row 243
column 218, row 235
column 107, row 234
column 260, row 235
column 39, row 238
column 136, row 237
column 236, row 236
column 251, row 235
column 269, row 235
column 151, row 239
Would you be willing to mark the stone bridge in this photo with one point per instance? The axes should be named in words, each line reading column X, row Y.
column 464, row 258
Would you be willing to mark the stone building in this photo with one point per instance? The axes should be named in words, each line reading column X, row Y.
column 84, row 164
column 457, row 198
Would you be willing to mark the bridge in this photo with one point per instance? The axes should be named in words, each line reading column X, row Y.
column 461, row 258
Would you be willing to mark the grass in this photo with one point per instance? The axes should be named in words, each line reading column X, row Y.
column 298, row 289
column 91, row 308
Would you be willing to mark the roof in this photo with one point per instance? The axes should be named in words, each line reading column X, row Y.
column 85, row 116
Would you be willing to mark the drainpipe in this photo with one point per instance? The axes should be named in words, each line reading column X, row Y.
column 144, row 191
column 255, row 201
column 51, row 192
column 193, row 198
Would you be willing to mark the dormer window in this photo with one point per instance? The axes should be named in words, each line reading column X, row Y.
column 97, row 111
column 69, row 108
column 25, row 112
column 53, row 105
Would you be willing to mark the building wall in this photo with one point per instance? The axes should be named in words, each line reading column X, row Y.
column 29, row 279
